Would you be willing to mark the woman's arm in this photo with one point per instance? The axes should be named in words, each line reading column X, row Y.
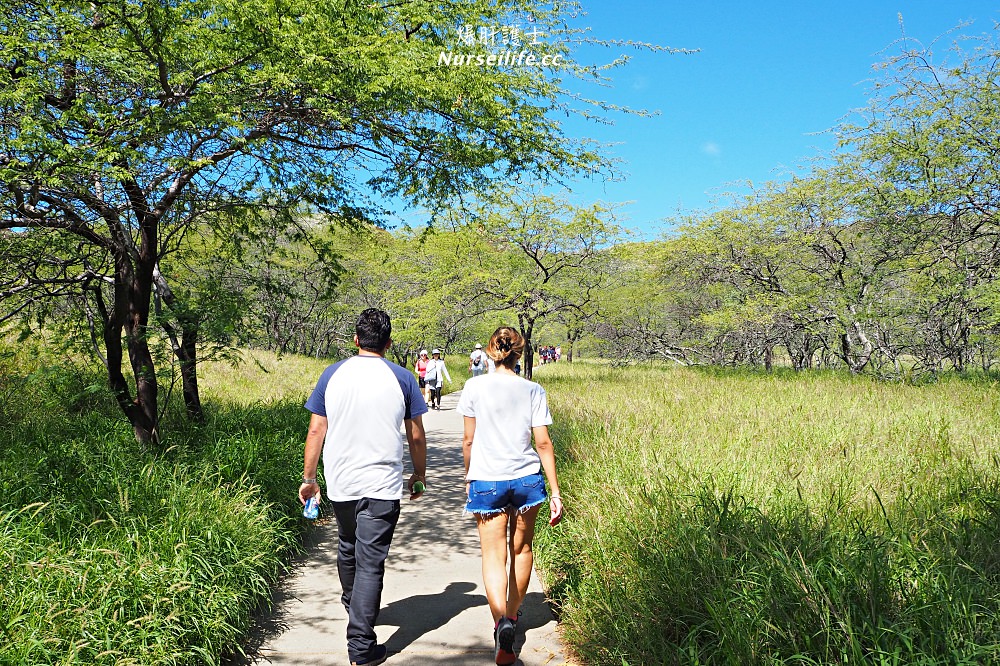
column 547, row 454
column 467, row 436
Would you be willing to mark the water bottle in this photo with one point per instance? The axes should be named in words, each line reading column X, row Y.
column 311, row 510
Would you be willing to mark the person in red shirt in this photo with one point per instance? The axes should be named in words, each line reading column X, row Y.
column 421, row 369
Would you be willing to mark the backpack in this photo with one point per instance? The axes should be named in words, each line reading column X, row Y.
column 432, row 373
column 476, row 360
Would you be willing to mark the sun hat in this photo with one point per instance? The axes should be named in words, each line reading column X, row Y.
column 478, row 346
column 423, row 352
column 436, row 351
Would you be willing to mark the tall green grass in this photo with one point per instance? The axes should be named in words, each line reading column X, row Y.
column 112, row 555
column 720, row 517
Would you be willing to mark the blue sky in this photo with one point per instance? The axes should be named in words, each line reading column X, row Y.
column 755, row 103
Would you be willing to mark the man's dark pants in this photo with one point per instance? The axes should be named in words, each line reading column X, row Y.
column 365, row 529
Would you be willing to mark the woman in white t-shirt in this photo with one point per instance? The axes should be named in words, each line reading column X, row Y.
column 434, row 377
column 504, row 478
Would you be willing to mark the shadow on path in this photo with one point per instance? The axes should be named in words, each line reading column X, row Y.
column 421, row 614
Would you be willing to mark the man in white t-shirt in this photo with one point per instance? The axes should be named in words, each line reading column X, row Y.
column 477, row 361
column 357, row 408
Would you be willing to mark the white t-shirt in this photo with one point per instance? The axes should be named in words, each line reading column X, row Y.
column 506, row 408
column 436, row 373
column 365, row 400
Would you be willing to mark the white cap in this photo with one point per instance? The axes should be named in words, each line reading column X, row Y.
column 436, row 351
column 423, row 352
column 478, row 346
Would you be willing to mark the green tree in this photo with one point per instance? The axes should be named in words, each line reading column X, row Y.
column 533, row 256
column 929, row 145
column 125, row 123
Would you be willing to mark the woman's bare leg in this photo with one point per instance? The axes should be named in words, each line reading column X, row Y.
column 523, row 532
column 493, row 543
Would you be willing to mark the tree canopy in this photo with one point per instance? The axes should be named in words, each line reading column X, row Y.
column 126, row 125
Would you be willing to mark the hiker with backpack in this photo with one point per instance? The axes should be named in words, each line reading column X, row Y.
column 477, row 361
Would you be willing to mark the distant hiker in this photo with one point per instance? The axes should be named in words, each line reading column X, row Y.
column 477, row 361
column 357, row 408
column 434, row 378
column 504, row 484
column 420, row 367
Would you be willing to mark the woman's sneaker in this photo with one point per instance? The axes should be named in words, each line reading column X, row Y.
column 504, row 635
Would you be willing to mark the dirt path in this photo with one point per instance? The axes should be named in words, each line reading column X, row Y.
column 433, row 606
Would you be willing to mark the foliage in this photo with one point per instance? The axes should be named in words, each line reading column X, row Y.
column 128, row 126
column 522, row 260
column 532, row 256
column 802, row 518
column 116, row 556
column 883, row 261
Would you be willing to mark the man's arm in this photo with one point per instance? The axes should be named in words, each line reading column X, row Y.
column 314, row 446
column 418, row 451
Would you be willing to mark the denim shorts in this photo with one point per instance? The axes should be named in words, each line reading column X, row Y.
column 487, row 498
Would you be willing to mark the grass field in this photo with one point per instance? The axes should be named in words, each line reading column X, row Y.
column 726, row 517
column 714, row 517
column 113, row 555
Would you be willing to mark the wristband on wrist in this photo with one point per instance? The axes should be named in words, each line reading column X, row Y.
column 558, row 497
column 308, row 481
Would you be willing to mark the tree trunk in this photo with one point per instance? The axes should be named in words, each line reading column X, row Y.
column 528, row 360
column 144, row 420
column 142, row 425
column 133, row 290
column 570, row 343
column 845, row 351
column 185, row 349
column 188, row 359
column 140, row 296
column 856, row 356
column 125, row 317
